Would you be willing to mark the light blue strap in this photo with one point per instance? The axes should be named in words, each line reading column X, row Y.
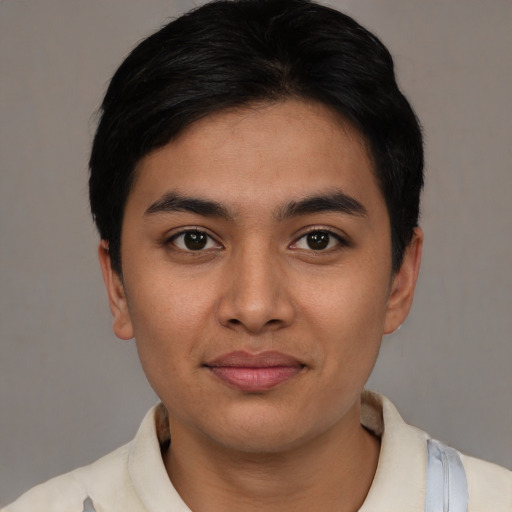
column 88, row 505
column 447, row 488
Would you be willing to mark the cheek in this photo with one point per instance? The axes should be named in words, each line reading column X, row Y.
column 346, row 314
column 168, row 317
column 163, row 304
column 348, row 302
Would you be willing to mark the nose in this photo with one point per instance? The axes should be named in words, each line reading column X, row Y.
column 255, row 295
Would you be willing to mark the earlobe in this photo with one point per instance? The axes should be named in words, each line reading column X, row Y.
column 404, row 284
column 121, row 321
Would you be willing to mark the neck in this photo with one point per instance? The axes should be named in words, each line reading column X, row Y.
column 333, row 472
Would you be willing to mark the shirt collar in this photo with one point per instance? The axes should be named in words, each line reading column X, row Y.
column 399, row 482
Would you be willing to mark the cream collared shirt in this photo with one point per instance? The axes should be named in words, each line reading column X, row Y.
column 133, row 478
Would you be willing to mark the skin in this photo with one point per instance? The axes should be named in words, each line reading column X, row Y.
column 256, row 286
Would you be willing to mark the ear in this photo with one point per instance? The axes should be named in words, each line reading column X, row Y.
column 403, row 284
column 121, row 324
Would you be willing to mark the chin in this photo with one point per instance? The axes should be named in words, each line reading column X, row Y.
column 260, row 434
column 262, row 442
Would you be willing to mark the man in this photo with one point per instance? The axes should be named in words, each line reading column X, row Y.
column 255, row 179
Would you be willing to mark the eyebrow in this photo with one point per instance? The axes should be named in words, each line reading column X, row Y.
column 174, row 202
column 330, row 202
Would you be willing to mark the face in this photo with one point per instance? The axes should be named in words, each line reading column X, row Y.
column 257, row 276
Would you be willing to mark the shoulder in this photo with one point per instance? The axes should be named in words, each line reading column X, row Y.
column 105, row 485
column 83, row 489
column 132, row 478
column 404, row 459
column 489, row 486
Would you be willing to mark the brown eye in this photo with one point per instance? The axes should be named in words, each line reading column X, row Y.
column 194, row 240
column 318, row 240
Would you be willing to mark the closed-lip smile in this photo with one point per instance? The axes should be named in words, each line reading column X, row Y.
column 255, row 372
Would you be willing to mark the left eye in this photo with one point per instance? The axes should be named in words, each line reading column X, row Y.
column 317, row 241
column 194, row 240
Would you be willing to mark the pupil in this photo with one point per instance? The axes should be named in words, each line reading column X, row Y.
column 318, row 240
column 195, row 240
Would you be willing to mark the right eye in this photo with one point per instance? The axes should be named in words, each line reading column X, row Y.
column 194, row 240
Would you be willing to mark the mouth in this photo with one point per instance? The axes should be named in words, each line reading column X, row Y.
column 255, row 372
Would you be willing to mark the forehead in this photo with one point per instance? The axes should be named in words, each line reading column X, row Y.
column 261, row 155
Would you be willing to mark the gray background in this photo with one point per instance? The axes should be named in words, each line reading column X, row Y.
column 70, row 392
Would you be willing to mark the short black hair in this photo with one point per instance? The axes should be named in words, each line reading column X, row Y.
column 233, row 53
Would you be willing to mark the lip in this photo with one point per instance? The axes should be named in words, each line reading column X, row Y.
column 255, row 372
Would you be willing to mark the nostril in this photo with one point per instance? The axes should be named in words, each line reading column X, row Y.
column 273, row 321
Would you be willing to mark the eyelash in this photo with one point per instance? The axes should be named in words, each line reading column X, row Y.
column 197, row 231
column 340, row 241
